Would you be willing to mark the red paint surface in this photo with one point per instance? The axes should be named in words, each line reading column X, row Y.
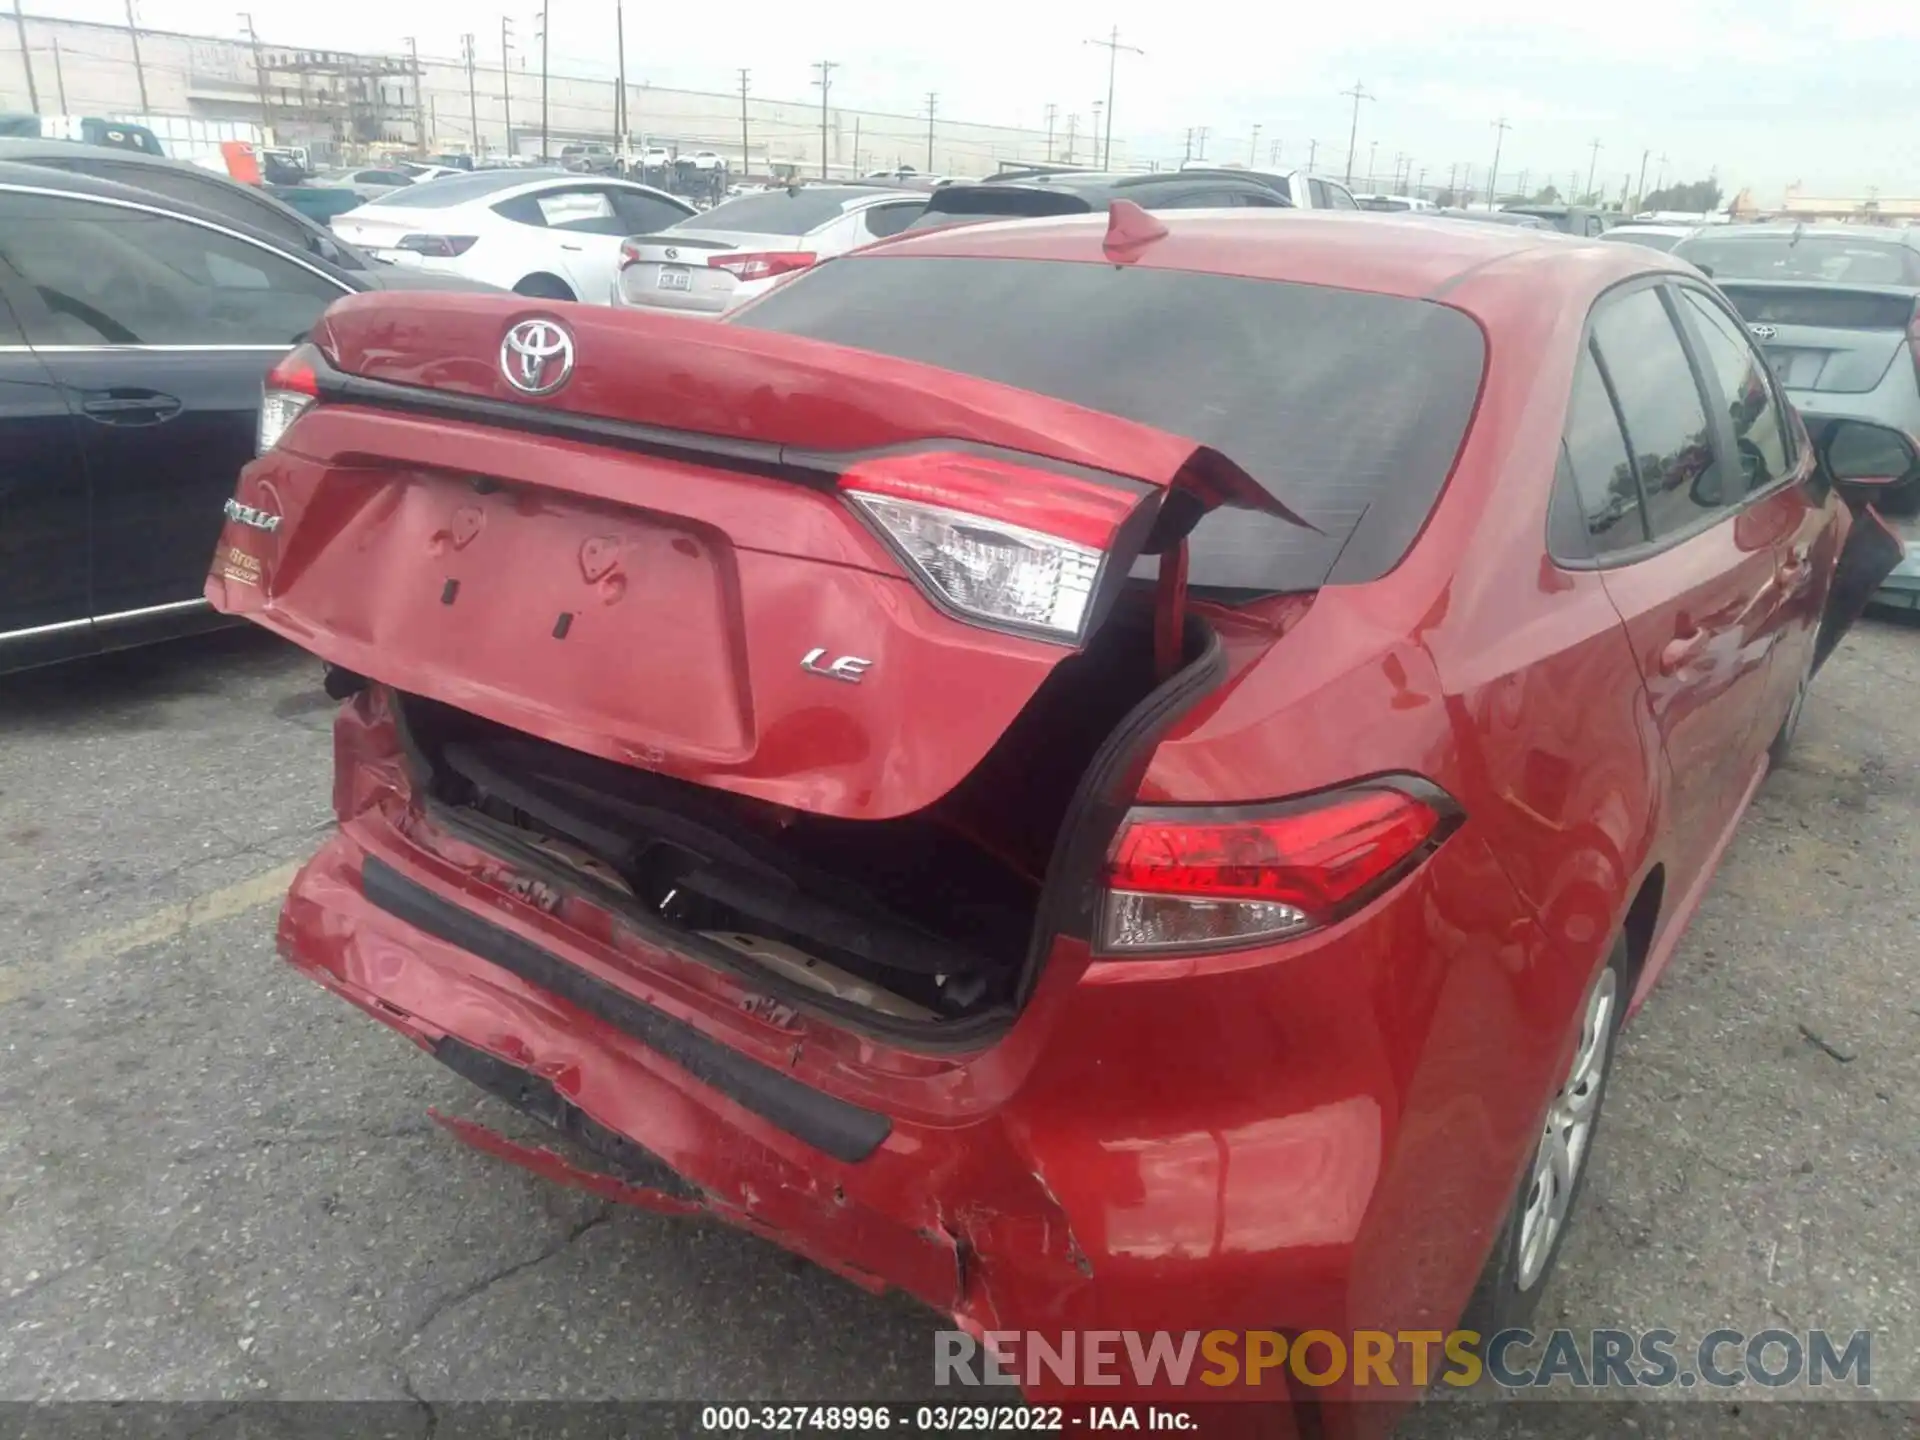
column 1323, row 1133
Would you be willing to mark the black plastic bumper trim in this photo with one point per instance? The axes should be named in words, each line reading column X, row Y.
column 846, row 1132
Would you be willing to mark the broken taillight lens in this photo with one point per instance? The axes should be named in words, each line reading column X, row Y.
column 1002, row 544
column 1176, row 884
column 291, row 387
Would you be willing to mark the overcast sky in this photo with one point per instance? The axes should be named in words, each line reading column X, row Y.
column 1767, row 92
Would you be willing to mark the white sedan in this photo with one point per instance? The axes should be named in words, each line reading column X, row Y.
column 541, row 233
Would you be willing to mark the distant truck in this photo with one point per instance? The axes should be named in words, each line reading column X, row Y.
column 87, row 129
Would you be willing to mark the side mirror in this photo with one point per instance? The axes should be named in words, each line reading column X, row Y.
column 1861, row 455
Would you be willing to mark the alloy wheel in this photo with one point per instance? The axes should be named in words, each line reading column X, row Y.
column 1569, row 1128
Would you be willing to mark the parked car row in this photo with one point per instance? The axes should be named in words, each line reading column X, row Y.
column 1146, row 762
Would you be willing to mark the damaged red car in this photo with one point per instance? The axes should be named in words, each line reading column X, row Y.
column 1116, row 773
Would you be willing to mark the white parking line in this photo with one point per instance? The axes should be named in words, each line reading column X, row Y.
column 167, row 923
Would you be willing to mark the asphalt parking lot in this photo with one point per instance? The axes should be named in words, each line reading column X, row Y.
column 220, row 1183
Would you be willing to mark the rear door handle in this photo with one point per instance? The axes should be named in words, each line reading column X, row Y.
column 130, row 407
column 1682, row 650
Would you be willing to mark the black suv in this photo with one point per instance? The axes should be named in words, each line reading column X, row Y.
column 1024, row 194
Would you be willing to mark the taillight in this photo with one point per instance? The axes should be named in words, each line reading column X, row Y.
column 761, row 265
column 1003, row 544
column 291, row 386
column 441, row 247
column 1913, row 340
column 630, row 252
column 1177, row 883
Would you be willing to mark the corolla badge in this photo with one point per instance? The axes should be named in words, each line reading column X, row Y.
column 1763, row 332
column 255, row 519
column 537, row 357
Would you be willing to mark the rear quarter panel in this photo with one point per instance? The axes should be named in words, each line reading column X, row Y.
column 1483, row 666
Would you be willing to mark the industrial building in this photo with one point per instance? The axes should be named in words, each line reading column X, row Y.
column 339, row 104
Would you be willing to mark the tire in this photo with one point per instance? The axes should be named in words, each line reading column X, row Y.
column 544, row 287
column 1529, row 1242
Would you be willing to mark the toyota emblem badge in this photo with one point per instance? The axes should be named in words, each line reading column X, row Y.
column 537, row 357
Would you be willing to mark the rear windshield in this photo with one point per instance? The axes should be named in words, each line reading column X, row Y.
column 1839, row 258
column 1348, row 407
column 1830, row 309
column 451, row 190
column 997, row 202
column 780, row 212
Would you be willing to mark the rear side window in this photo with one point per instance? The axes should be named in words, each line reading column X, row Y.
column 1355, row 432
column 1759, row 425
column 1660, row 405
column 1594, row 462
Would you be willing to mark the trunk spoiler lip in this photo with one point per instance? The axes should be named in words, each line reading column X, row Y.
column 1200, row 471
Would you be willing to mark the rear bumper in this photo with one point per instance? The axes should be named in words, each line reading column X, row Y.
column 1325, row 1135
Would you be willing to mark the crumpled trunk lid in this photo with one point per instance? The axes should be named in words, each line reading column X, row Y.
column 654, row 562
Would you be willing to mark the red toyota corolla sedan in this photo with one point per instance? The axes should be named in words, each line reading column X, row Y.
column 1116, row 773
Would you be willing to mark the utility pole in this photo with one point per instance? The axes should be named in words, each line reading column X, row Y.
column 419, row 98
column 1200, row 139
column 856, row 144
column 1359, row 93
column 1113, row 47
column 1073, row 122
column 1273, row 154
column 1094, row 131
column 933, row 101
column 1453, row 180
column 1592, row 160
column 473, row 97
column 825, row 82
column 1500, row 128
column 543, row 79
column 1313, row 148
column 1253, row 147
column 623, row 147
column 1401, row 160
column 139, row 70
column 1640, row 194
column 59, row 79
column 1422, row 185
column 1189, row 151
column 506, row 77
column 1052, row 112
column 26, row 58
column 743, row 125
column 259, row 71
column 1373, row 149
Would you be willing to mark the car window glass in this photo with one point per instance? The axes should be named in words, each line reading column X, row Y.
column 884, row 220
column 1197, row 200
column 1660, row 404
column 1594, row 460
column 110, row 275
column 1259, row 198
column 1339, row 199
column 643, row 214
column 1318, row 191
column 222, row 198
column 1760, row 428
column 1356, row 433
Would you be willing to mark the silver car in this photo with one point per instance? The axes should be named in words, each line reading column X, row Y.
column 1837, row 310
column 742, row 247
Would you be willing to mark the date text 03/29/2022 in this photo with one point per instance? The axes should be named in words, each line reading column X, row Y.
column 939, row 1419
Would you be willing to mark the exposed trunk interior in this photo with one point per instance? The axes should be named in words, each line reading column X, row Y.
column 928, row 919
